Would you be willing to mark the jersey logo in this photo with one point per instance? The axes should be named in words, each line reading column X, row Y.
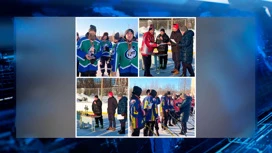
column 131, row 53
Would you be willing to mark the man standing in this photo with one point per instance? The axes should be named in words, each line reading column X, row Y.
column 185, row 110
column 148, row 45
column 151, row 115
column 175, row 38
column 165, row 110
column 122, row 110
column 112, row 105
column 126, row 58
column 86, row 53
column 97, row 110
column 117, row 39
column 136, row 112
column 163, row 49
column 186, row 51
column 105, row 58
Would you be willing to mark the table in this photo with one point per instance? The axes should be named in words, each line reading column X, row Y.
column 156, row 61
column 87, row 120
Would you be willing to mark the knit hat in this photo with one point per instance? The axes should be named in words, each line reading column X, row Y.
column 117, row 36
column 176, row 26
column 129, row 30
column 153, row 93
column 147, row 91
column 183, row 28
column 110, row 94
column 137, row 91
column 163, row 30
column 92, row 28
column 96, row 96
column 168, row 93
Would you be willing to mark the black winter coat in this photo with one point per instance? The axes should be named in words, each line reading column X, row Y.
column 112, row 105
column 165, row 39
column 186, row 47
column 122, row 105
column 97, row 108
column 176, row 35
column 185, row 109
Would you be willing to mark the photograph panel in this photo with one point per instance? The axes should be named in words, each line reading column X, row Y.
column 167, row 47
column 101, row 107
column 162, row 107
column 107, row 47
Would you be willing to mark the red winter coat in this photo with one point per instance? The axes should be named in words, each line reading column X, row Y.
column 148, row 44
column 176, row 101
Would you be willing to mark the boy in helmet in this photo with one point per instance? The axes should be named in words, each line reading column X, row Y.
column 126, row 58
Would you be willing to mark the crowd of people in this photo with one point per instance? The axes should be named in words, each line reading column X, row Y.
column 145, row 114
column 121, row 107
column 121, row 55
column 181, row 41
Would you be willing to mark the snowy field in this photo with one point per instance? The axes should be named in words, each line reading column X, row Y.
column 101, row 132
column 174, row 130
column 167, row 71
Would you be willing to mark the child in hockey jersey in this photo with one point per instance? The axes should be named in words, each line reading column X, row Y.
column 87, row 50
column 126, row 58
column 105, row 58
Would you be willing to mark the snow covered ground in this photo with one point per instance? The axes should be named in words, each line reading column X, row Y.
column 167, row 71
column 174, row 130
column 101, row 132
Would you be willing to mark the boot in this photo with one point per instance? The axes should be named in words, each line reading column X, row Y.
column 122, row 131
column 96, row 126
column 109, row 128
column 174, row 71
column 102, row 126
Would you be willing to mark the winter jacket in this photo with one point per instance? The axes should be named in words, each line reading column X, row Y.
column 97, row 108
column 106, row 45
column 185, row 108
column 163, row 49
column 112, row 105
column 170, row 102
column 137, row 119
column 177, row 102
column 148, row 44
column 122, row 106
column 152, row 113
column 126, row 59
column 186, row 47
column 176, row 35
column 164, row 103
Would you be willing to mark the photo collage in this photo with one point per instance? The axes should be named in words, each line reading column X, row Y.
column 135, row 77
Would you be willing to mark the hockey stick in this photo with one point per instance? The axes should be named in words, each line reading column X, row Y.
column 149, row 128
column 168, row 130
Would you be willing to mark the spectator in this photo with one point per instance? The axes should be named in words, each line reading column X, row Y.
column 112, row 105
column 122, row 109
column 163, row 49
column 97, row 110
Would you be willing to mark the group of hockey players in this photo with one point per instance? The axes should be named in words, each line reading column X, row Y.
column 122, row 56
column 181, row 42
column 145, row 114
column 121, row 107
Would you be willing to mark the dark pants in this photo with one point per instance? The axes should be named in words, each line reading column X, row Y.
column 112, row 120
column 149, row 128
column 157, row 127
column 105, row 60
column 189, row 67
column 165, row 120
column 128, row 75
column 176, row 57
column 184, row 127
column 147, row 65
column 163, row 60
column 136, row 132
column 88, row 73
column 171, row 117
column 100, row 119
